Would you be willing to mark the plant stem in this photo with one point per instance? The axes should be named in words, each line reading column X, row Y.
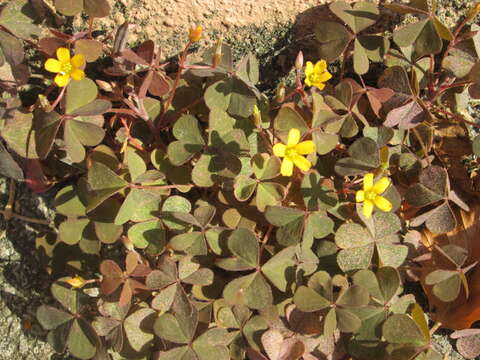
column 26, row 218
column 181, row 67
column 57, row 100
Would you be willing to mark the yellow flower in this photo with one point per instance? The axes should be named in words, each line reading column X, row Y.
column 292, row 153
column 66, row 67
column 195, row 34
column 77, row 282
column 317, row 75
column 370, row 195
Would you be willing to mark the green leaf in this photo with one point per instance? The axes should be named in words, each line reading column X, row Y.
column 69, row 7
column 190, row 140
column 407, row 35
column 269, row 194
column 104, row 182
column 244, row 244
column 401, row 329
column 280, row 268
column 68, row 203
column 175, row 204
column 71, row 230
column 97, row 8
column 139, row 329
column 20, row 136
column 360, row 58
column 72, row 300
column 244, row 187
column 281, row 216
column 419, row 317
column 80, row 93
column 50, row 317
column 442, row 30
column 192, row 243
column 428, row 41
column 286, row 119
column 333, row 39
column 308, row 300
column 318, row 193
column 146, row 233
column 12, row 49
column 46, row 125
column 266, row 167
column 82, row 340
column 169, row 328
column 251, row 290
column 18, row 17
column 213, row 341
column 8, row 166
column 476, row 145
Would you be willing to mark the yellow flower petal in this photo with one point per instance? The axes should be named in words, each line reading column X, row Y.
column 78, row 61
column 63, row 54
column 293, row 137
column 360, row 196
column 308, row 69
column 382, row 203
column 287, row 167
column 305, row 147
column 367, row 208
column 279, row 150
column 53, row 65
column 320, row 86
column 302, row 163
column 368, row 182
column 62, row 80
column 77, row 74
column 308, row 82
column 381, row 185
column 324, row 77
column 320, row 66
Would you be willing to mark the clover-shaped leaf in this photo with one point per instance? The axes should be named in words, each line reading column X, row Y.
column 18, row 17
column 320, row 295
column 468, row 343
column 82, row 121
column 335, row 38
column 434, row 187
column 295, row 225
column 357, row 243
column 82, row 229
column 364, row 157
column 318, row 193
column 69, row 329
column 92, row 8
column 425, row 35
column 114, row 277
column 265, row 167
column 231, row 95
column 189, row 140
column 167, row 279
column 195, row 242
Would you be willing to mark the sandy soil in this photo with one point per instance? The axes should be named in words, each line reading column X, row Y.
column 165, row 20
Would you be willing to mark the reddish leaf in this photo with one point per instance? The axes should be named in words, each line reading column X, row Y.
column 35, row 177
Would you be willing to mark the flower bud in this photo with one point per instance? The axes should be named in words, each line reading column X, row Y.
column 280, row 95
column 195, row 34
column 217, row 54
column 257, row 116
column 77, row 282
column 299, row 61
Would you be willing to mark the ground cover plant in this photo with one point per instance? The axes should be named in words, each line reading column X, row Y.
column 197, row 216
